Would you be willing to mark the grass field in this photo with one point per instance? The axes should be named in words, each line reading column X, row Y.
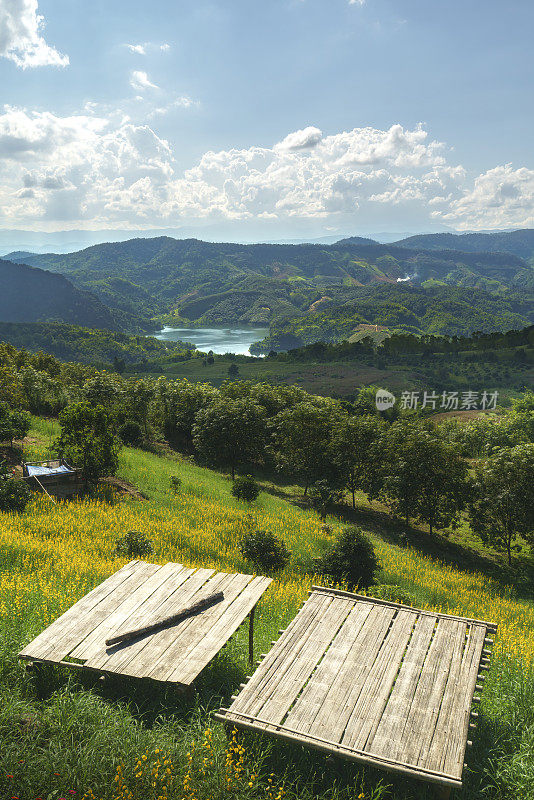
column 343, row 378
column 73, row 737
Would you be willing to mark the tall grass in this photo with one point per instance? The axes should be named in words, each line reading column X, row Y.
column 111, row 740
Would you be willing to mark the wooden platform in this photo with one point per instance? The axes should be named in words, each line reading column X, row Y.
column 135, row 596
column 373, row 681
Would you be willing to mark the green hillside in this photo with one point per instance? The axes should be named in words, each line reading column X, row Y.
column 519, row 243
column 213, row 283
column 81, row 737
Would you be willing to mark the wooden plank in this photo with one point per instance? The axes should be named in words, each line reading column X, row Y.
column 377, row 687
column 174, row 660
column 349, row 684
column 491, row 626
column 156, row 646
column 266, row 679
column 196, row 658
column 393, row 721
column 301, row 665
column 456, row 731
column 110, row 659
column 320, row 688
column 121, row 613
column 63, row 634
column 335, row 748
column 429, row 691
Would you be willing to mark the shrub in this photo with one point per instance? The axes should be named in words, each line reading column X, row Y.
column 245, row 489
column 133, row 544
column 14, row 495
column 351, row 560
column 131, row 432
column 176, row 483
column 265, row 551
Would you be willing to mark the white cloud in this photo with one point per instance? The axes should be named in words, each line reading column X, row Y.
column 300, row 140
column 179, row 102
column 139, row 49
column 20, row 36
column 356, row 2
column 139, row 81
column 142, row 49
column 107, row 170
column 500, row 198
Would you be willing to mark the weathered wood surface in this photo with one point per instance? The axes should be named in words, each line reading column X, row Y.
column 370, row 680
column 133, row 598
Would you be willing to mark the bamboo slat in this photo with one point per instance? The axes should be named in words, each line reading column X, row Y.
column 372, row 681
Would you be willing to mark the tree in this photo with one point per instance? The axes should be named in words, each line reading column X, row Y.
column 301, row 442
column 424, row 477
column 356, row 452
column 178, row 403
column 246, row 488
column 351, row 560
column 88, row 440
column 323, row 495
column 233, row 370
column 502, row 507
column 230, row 433
column 264, row 550
column 13, row 424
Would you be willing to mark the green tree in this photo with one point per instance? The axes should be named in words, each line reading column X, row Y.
column 502, row 507
column 88, row 440
column 230, row 433
column 356, row 452
column 424, row 477
column 350, row 560
column 301, row 446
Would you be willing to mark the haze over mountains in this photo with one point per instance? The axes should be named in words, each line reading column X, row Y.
column 477, row 281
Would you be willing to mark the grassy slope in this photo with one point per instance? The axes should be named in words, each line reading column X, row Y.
column 76, row 736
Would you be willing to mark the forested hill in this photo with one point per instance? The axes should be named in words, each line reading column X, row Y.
column 35, row 295
column 519, row 243
column 214, row 283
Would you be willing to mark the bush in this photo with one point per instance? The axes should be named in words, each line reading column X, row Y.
column 133, row 544
column 176, row 483
column 131, row 432
column 265, row 551
column 351, row 560
column 246, row 489
column 14, row 495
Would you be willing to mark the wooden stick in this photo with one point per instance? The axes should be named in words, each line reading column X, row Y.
column 167, row 621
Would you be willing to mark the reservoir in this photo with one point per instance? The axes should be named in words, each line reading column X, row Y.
column 220, row 340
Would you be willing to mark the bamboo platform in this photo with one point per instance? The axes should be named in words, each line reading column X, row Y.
column 373, row 681
column 136, row 596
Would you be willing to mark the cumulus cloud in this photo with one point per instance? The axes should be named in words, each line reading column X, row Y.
column 301, row 140
column 108, row 170
column 140, row 81
column 139, row 49
column 21, row 37
column 502, row 197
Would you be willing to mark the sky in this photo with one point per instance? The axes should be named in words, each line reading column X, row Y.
column 248, row 120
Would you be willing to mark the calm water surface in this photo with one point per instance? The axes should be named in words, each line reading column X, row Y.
column 220, row 340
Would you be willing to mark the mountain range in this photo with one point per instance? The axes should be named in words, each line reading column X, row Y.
column 188, row 281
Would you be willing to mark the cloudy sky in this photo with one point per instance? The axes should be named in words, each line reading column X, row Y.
column 249, row 119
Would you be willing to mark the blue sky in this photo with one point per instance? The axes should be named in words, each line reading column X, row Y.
column 263, row 120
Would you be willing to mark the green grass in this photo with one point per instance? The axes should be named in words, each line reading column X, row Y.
column 61, row 733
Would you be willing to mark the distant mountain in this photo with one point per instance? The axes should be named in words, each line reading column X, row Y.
column 28, row 294
column 225, row 283
column 518, row 243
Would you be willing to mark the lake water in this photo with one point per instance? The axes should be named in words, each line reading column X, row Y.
column 220, row 340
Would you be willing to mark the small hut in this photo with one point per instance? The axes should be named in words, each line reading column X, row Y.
column 55, row 478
